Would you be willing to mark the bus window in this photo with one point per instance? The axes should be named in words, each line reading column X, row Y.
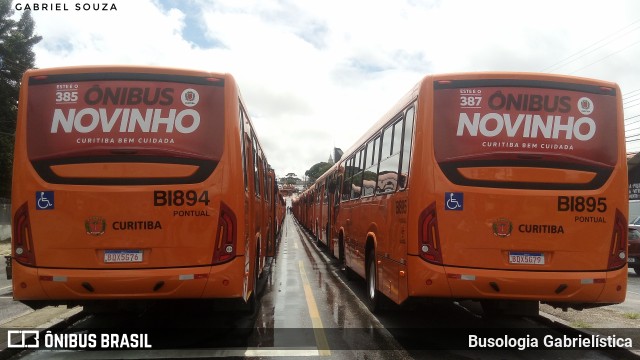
column 337, row 195
column 244, row 155
column 79, row 133
column 256, row 168
column 571, row 128
column 356, row 179
column 407, row 140
column 397, row 137
column 265, row 178
column 371, row 171
column 389, row 161
column 325, row 199
column 267, row 188
column 346, row 184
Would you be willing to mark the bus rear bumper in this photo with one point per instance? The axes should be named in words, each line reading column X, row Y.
column 220, row 281
column 465, row 283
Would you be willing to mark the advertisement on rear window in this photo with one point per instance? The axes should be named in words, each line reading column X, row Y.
column 107, row 117
column 478, row 122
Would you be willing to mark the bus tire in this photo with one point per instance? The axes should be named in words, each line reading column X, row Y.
column 373, row 295
column 637, row 270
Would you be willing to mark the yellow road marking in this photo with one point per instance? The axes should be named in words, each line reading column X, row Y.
column 318, row 329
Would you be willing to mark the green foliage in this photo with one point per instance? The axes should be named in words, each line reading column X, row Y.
column 316, row 171
column 289, row 179
column 16, row 40
column 632, row 315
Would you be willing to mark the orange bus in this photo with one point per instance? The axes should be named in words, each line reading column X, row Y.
column 315, row 206
column 305, row 208
column 275, row 212
column 137, row 183
column 507, row 188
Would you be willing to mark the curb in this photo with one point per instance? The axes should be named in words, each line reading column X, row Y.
column 554, row 320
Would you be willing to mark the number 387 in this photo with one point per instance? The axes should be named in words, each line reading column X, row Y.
column 470, row 101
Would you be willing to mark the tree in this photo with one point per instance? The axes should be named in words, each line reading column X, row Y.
column 290, row 179
column 316, row 171
column 16, row 56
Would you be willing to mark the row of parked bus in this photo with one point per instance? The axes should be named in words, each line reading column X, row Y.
column 506, row 188
column 140, row 183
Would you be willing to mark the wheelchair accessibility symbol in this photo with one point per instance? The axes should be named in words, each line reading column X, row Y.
column 44, row 200
column 454, row 200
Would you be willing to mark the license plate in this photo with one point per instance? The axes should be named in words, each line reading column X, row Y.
column 632, row 260
column 526, row 258
column 122, row 256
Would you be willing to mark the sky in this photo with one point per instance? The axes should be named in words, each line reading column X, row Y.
column 316, row 74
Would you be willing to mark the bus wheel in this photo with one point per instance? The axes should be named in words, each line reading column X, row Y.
column 637, row 270
column 373, row 296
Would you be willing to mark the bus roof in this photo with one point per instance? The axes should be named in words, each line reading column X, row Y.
column 123, row 68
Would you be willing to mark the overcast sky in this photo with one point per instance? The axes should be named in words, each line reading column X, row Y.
column 317, row 73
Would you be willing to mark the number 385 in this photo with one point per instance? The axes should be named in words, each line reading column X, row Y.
column 66, row 96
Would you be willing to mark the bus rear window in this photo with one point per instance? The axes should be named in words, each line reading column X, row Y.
column 521, row 125
column 131, row 118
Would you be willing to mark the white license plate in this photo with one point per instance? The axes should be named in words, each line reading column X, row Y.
column 632, row 260
column 526, row 258
column 122, row 256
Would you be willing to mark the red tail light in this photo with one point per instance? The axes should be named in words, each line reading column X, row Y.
column 226, row 238
column 23, row 250
column 428, row 236
column 618, row 250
